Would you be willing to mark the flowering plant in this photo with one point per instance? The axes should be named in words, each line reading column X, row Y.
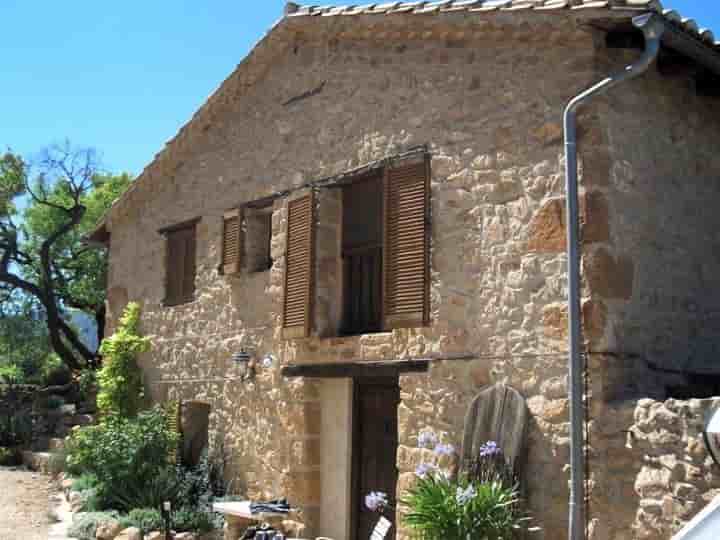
column 480, row 505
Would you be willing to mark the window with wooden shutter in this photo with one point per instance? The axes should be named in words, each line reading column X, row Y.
column 406, row 261
column 232, row 247
column 299, row 268
column 180, row 264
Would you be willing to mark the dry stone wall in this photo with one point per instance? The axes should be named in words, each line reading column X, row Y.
column 487, row 101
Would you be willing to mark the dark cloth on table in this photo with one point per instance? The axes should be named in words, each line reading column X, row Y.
column 277, row 506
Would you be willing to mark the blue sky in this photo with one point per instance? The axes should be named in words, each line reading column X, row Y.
column 124, row 76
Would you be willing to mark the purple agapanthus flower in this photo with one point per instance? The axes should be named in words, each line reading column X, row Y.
column 375, row 501
column 490, row 448
column 424, row 469
column 427, row 439
column 444, row 450
column 464, row 496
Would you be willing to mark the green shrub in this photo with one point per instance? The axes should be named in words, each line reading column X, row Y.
column 84, row 482
column 15, row 429
column 54, row 402
column 149, row 492
column 121, row 451
column 8, row 456
column 86, row 383
column 57, row 462
column 485, row 504
column 119, row 381
column 11, row 374
column 90, row 500
column 145, row 519
column 190, row 519
column 54, row 372
column 85, row 524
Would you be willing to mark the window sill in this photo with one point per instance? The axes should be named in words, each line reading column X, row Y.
column 179, row 304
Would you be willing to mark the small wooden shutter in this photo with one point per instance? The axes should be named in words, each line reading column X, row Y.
column 173, row 412
column 232, row 247
column 180, row 266
column 299, row 268
column 406, row 262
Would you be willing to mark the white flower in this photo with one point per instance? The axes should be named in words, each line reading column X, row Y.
column 376, row 501
column 427, row 439
column 464, row 496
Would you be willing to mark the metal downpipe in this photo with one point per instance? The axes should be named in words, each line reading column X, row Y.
column 652, row 27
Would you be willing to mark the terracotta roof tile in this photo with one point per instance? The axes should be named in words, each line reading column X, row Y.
column 439, row 7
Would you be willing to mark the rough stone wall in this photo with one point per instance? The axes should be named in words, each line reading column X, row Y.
column 658, row 273
column 487, row 100
column 652, row 468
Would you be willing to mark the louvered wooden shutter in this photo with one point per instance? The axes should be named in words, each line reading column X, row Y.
column 232, row 247
column 299, row 268
column 406, row 262
column 175, row 267
column 173, row 412
column 180, row 265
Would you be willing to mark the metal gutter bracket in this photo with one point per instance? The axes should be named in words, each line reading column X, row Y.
column 653, row 27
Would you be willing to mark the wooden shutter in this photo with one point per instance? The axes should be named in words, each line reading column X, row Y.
column 299, row 268
column 406, row 262
column 232, row 244
column 180, row 265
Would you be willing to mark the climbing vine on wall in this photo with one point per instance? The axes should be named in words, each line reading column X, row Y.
column 120, row 380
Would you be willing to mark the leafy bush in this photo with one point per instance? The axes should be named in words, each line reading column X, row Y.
column 119, row 380
column 85, row 524
column 8, row 456
column 201, row 484
column 148, row 492
column 86, row 383
column 483, row 504
column 54, row 402
column 145, row 519
column 57, row 462
column 15, row 428
column 11, row 374
column 84, row 482
column 122, row 451
column 54, row 372
column 441, row 508
column 190, row 519
column 90, row 500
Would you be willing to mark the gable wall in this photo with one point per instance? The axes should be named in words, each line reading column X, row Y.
column 489, row 109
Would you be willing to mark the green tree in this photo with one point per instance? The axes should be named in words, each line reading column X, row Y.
column 42, row 253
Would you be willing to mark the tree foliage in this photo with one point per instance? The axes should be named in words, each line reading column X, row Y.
column 42, row 254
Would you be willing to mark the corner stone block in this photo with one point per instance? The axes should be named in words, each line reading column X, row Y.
column 608, row 276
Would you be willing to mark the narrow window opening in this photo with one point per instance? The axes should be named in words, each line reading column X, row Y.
column 258, row 238
column 362, row 252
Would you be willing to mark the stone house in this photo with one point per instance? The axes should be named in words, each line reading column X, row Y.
column 371, row 209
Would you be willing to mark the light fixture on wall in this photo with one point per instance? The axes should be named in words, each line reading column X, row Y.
column 245, row 361
column 712, row 434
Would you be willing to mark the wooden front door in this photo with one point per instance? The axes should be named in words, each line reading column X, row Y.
column 375, row 442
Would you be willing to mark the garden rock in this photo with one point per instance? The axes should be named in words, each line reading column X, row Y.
column 108, row 530
column 155, row 535
column 131, row 533
column 186, row 536
column 75, row 499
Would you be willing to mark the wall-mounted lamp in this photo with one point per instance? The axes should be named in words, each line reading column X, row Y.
column 244, row 360
column 712, row 434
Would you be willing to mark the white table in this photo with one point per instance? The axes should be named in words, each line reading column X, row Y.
column 238, row 517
